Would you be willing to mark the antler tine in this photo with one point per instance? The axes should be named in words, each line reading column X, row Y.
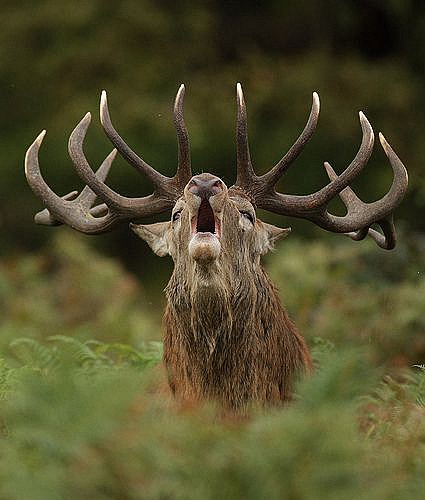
column 379, row 212
column 387, row 241
column 354, row 204
column 85, row 199
column 88, row 196
column 69, row 209
column 272, row 177
column 125, row 207
column 245, row 172
column 400, row 177
column 184, row 171
column 35, row 179
column 133, row 159
column 45, row 218
column 313, row 206
column 324, row 195
column 75, row 149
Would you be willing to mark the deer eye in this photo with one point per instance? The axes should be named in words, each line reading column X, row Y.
column 176, row 215
column 247, row 215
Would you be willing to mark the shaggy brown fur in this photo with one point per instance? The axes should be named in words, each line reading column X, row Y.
column 227, row 336
column 234, row 344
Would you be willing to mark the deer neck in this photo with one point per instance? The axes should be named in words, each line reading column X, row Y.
column 219, row 303
column 226, row 338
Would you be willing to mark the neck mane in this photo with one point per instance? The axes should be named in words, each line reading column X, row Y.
column 228, row 337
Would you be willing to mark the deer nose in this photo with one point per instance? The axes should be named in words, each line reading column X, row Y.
column 205, row 185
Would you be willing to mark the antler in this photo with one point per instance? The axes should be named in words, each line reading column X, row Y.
column 78, row 211
column 360, row 216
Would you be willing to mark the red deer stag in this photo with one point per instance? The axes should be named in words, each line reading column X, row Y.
column 227, row 336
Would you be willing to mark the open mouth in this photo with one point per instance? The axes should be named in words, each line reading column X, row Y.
column 205, row 221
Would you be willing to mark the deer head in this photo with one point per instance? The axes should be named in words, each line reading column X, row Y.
column 210, row 221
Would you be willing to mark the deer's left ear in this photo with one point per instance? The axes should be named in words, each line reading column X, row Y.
column 155, row 236
column 271, row 234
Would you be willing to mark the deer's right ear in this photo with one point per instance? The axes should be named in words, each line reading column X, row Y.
column 154, row 235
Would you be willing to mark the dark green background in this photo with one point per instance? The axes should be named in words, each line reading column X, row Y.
column 56, row 57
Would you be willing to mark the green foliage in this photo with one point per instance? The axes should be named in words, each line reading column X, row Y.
column 90, row 427
column 350, row 293
column 86, row 354
column 71, row 290
column 85, row 411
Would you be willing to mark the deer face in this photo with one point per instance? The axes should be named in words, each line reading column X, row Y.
column 208, row 222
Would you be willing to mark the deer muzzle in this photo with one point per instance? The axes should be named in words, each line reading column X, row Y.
column 206, row 195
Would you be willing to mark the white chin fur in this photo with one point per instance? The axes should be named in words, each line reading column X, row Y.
column 204, row 247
